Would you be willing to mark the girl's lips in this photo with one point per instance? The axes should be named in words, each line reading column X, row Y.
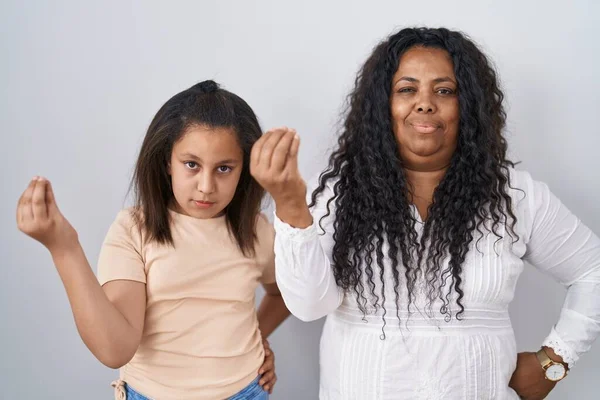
column 203, row 204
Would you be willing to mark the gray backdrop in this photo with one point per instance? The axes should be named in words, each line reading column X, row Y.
column 80, row 83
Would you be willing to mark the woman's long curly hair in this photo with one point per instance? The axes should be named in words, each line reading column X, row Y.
column 371, row 192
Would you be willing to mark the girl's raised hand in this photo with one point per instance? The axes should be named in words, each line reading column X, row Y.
column 38, row 216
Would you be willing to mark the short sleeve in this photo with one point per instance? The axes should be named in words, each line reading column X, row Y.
column 265, row 253
column 121, row 255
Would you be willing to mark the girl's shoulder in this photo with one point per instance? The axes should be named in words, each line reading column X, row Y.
column 128, row 225
column 264, row 228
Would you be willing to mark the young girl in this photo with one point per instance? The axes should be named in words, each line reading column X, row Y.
column 173, row 304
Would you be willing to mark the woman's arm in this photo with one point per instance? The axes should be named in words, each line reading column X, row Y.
column 304, row 271
column 302, row 265
column 563, row 247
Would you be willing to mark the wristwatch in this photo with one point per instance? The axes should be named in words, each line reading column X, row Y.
column 554, row 371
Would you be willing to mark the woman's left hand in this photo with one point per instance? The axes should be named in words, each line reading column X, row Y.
column 529, row 380
column 267, row 370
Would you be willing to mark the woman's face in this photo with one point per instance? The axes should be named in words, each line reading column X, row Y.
column 424, row 108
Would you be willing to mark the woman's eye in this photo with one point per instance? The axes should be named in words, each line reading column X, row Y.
column 445, row 91
column 191, row 164
column 224, row 169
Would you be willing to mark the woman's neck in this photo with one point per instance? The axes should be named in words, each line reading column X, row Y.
column 422, row 184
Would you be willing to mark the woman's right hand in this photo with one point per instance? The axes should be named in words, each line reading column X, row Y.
column 274, row 165
column 38, row 216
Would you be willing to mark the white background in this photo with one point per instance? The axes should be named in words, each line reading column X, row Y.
column 82, row 80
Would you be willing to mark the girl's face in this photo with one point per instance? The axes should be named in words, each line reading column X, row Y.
column 205, row 168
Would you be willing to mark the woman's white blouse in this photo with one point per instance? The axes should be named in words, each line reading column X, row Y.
column 420, row 355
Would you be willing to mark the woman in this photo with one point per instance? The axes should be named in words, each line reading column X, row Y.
column 415, row 236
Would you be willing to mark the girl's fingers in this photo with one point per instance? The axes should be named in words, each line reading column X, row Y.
column 50, row 199
column 38, row 200
column 25, row 201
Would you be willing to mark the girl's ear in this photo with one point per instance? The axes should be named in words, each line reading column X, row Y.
column 169, row 168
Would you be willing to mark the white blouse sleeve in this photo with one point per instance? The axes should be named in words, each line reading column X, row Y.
column 561, row 245
column 303, row 265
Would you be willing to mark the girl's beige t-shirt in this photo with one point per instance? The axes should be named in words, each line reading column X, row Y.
column 201, row 338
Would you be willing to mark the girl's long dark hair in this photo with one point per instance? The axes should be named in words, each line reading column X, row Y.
column 371, row 192
column 203, row 104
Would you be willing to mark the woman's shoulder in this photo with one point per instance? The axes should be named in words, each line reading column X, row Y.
column 522, row 181
column 519, row 178
column 325, row 191
column 315, row 179
column 528, row 193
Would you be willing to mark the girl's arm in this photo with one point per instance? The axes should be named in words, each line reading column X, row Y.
column 272, row 310
column 109, row 319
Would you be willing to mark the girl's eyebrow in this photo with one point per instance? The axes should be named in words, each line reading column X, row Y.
column 196, row 158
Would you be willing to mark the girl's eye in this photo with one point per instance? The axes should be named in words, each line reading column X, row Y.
column 191, row 164
column 224, row 169
column 406, row 90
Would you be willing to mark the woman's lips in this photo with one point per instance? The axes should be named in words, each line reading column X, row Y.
column 424, row 127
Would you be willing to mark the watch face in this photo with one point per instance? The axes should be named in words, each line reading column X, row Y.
column 555, row 372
